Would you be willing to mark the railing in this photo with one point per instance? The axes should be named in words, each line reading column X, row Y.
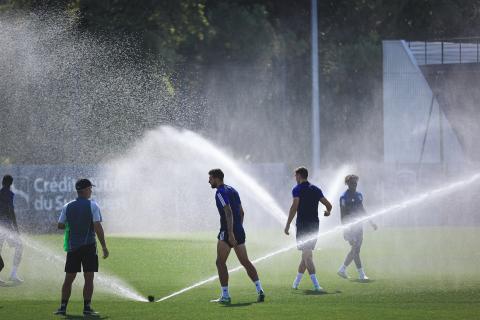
column 449, row 51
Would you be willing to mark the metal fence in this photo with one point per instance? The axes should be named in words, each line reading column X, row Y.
column 449, row 51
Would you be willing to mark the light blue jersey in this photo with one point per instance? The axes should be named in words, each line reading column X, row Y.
column 80, row 215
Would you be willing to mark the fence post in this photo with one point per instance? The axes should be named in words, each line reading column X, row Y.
column 441, row 55
column 425, row 51
column 460, row 51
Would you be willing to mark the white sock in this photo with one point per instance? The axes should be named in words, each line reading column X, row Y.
column 297, row 280
column 13, row 274
column 343, row 268
column 258, row 286
column 225, row 292
column 361, row 272
column 314, row 280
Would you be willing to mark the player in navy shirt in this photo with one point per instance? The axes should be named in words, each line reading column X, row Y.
column 231, row 235
column 9, row 232
column 351, row 209
column 306, row 197
column 228, row 195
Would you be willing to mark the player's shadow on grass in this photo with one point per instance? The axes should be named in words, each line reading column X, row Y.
column 9, row 284
column 362, row 281
column 318, row 293
column 76, row 317
column 238, row 305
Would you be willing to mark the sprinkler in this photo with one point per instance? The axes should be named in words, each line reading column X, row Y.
column 151, row 298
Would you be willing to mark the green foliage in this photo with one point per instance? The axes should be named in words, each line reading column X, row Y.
column 245, row 30
column 191, row 36
column 163, row 28
column 239, row 32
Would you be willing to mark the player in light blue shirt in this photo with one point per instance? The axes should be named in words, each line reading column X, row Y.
column 84, row 219
column 351, row 209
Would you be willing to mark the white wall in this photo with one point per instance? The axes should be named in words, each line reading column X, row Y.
column 406, row 105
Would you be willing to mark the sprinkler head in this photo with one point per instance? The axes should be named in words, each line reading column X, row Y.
column 151, row 299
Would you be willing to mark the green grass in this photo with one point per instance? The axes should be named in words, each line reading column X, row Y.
column 417, row 274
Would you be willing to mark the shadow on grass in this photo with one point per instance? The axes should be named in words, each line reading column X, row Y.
column 238, row 305
column 317, row 293
column 75, row 317
column 362, row 281
column 10, row 284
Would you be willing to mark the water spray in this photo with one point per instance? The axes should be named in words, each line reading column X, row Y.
column 108, row 283
column 388, row 210
column 201, row 145
column 185, row 154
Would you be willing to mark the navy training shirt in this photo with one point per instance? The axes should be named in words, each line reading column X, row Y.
column 80, row 215
column 351, row 206
column 6, row 206
column 310, row 196
column 228, row 195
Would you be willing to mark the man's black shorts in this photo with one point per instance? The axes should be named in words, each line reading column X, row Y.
column 239, row 236
column 85, row 258
column 306, row 235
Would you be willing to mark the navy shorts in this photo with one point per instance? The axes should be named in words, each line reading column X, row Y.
column 85, row 258
column 239, row 236
column 306, row 235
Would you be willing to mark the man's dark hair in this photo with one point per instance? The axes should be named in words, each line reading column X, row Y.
column 351, row 177
column 302, row 171
column 7, row 180
column 216, row 173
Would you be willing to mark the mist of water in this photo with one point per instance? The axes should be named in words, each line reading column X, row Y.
column 59, row 85
column 332, row 192
column 169, row 171
column 169, row 167
column 391, row 209
column 105, row 282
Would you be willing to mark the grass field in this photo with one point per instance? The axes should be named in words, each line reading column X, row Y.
column 416, row 274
